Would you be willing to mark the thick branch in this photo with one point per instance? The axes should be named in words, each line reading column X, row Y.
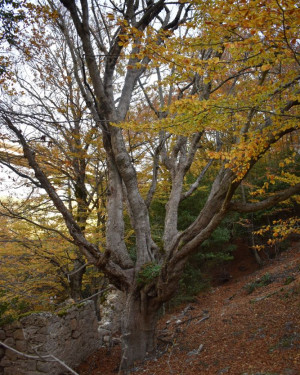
column 83, row 31
column 195, row 185
column 19, row 173
column 103, row 261
column 73, row 227
column 266, row 203
column 155, row 169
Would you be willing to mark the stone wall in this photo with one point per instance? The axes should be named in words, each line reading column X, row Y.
column 111, row 311
column 71, row 336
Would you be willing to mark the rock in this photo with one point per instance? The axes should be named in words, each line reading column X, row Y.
column 103, row 332
column 14, row 371
column 112, row 310
column 2, row 352
column 2, row 335
column 18, row 334
column 21, row 345
column 196, row 351
column 43, row 366
column 224, row 371
column 76, row 334
column 289, row 326
column 9, row 341
column 106, row 339
column 290, row 371
column 116, row 341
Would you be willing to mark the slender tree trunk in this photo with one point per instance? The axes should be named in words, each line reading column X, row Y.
column 139, row 322
column 250, row 229
column 76, row 280
column 253, row 250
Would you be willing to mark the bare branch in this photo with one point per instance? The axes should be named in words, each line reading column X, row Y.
column 73, row 227
column 195, row 185
column 20, row 217
column 148, row 99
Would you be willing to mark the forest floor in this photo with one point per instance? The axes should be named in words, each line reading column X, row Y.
column 248, row 326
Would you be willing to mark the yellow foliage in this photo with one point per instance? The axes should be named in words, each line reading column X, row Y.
column 279, row 230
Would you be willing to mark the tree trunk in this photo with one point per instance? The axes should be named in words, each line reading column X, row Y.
column 76, row 280
column 250, row 229
column 139, row 322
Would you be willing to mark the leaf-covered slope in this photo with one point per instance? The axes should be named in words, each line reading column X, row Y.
column 250, row 325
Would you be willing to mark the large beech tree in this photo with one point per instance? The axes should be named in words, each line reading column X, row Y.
column 220, row 81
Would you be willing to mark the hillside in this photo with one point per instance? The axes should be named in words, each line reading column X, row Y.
column 250, row 325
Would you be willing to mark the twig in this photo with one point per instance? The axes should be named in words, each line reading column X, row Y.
column 169, row 358
column 64, row 365
column 194, row 317
column 24, row 354
column 79, row 269
column 93, row 295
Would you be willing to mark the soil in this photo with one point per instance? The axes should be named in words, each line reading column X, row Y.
column 249, row 325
